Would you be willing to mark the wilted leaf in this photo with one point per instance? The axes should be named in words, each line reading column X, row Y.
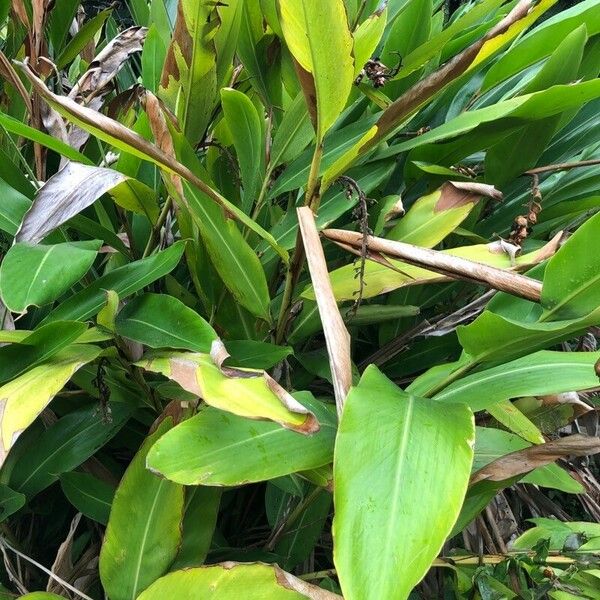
column 53, row 270
column 144, row 528
column 336, row 334
column 246, row 392
column 22, row 400
column 381, row 279
column 523, row 461
column 64, row 195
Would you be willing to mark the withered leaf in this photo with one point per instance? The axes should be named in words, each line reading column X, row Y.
column 337, row 337
column 523, row 461
column 64, row 195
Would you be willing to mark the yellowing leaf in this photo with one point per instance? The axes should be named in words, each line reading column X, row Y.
column 24, row 398
column 248, row 393
column 318, row 37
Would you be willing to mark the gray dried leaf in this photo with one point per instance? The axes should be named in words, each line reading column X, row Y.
column 64, row 195
column 109, row 62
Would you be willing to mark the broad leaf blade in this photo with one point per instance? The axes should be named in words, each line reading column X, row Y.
column 144, row 528
column 396, row 500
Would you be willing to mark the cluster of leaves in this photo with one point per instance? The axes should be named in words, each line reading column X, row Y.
column 189, row 411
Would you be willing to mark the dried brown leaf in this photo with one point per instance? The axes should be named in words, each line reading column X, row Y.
column 445, row 264
column 337, row 337
column 308, row 590
column 64, row 195
column 63, row 563
column 523, row 461
column 457, row 193
column 108, row 62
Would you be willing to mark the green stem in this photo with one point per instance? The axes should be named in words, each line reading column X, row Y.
column 292, row 518
column 312, row 199
column 162, row 217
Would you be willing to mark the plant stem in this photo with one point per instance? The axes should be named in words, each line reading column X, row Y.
column 312, row 199
column 285, row 525
column 563, row 167
column 162, row 217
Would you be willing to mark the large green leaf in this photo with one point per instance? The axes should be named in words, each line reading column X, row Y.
column 218, row 448
column 318, row 37
column 53, row 270
column 162, row 321
column 40, row 345
column 144, row 528
column 572, row 277
column 125, row 280
column 246, row 128
column 538, row 374
column 401, row 470
column 230, row 581
column 246, row 392
column 65, row 445
column 26, row 396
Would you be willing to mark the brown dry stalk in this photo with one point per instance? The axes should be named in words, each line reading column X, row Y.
column 337, row 337
column 445, row 264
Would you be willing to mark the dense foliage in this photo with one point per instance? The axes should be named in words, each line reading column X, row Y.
column 299, row 299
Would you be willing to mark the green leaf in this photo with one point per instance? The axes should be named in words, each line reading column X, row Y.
column 10, row 501
column 256, row 355
column 24, row 398
column 21, row 129
column 14, row 205
column 520, row 151
column 40, row 345
column 189, row 79
column 246, row 128
column 294, row 133
column 245, row 392
column 396, row 500
column 89, row 495
column 541, row 41
column 218, row 448
column 144, row 528
column 82, row 38
column 317, row 35
column 254, row 581
column 53, row 270
column 495, row 337
column 538, row 374
column 153, row 58
column 65, row 445
column 556, row 532
column 367, row 37
column 125, row 280
column 572, row 277
column 161, row 321
column 201, row 511
column 41, row 596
